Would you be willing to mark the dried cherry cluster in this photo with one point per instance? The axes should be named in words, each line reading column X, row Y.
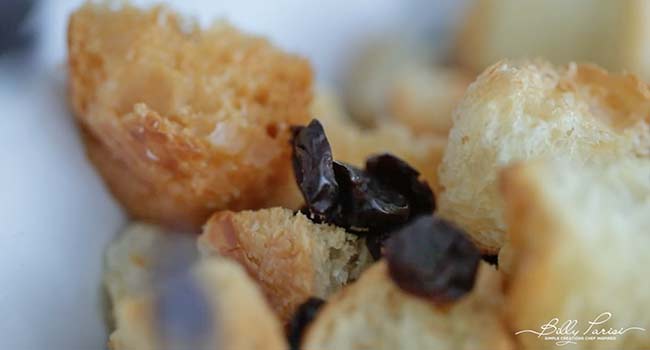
column 391, row 207
column 371, row 202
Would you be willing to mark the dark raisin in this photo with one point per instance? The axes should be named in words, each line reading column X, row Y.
column 370, row 202
column 303, row 316
column 397, row 174
column 366, row 203
column 312, row 165
column 491, row 259
column 433, row 259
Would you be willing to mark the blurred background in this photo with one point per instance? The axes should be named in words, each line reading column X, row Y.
column 407, row 60
column 323, row 31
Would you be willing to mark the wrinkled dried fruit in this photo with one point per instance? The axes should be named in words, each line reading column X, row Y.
column 312, row 166
column 397, row 174
column 432, row 259
column 385, row 196
column 367, row 204
column 305, row 313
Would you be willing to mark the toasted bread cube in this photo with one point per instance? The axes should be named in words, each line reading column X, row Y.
column 291, row 257
column 523, row 110
column 183, row 122
column 580, row 245
column 374, row 313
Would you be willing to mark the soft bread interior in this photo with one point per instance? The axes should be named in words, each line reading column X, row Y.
column 373, row 313
column 579, row 239
column 290, row 256
column 525, row 110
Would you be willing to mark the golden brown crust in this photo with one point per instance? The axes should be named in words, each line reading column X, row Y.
column 275, row 267
column 374, row 313
column 291, row 257
column 187, row 135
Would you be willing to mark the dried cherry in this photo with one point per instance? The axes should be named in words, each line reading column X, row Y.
column 372, row 202
column 312, row 166
column 367, row 204
column 432, row 258
column 399, row 175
